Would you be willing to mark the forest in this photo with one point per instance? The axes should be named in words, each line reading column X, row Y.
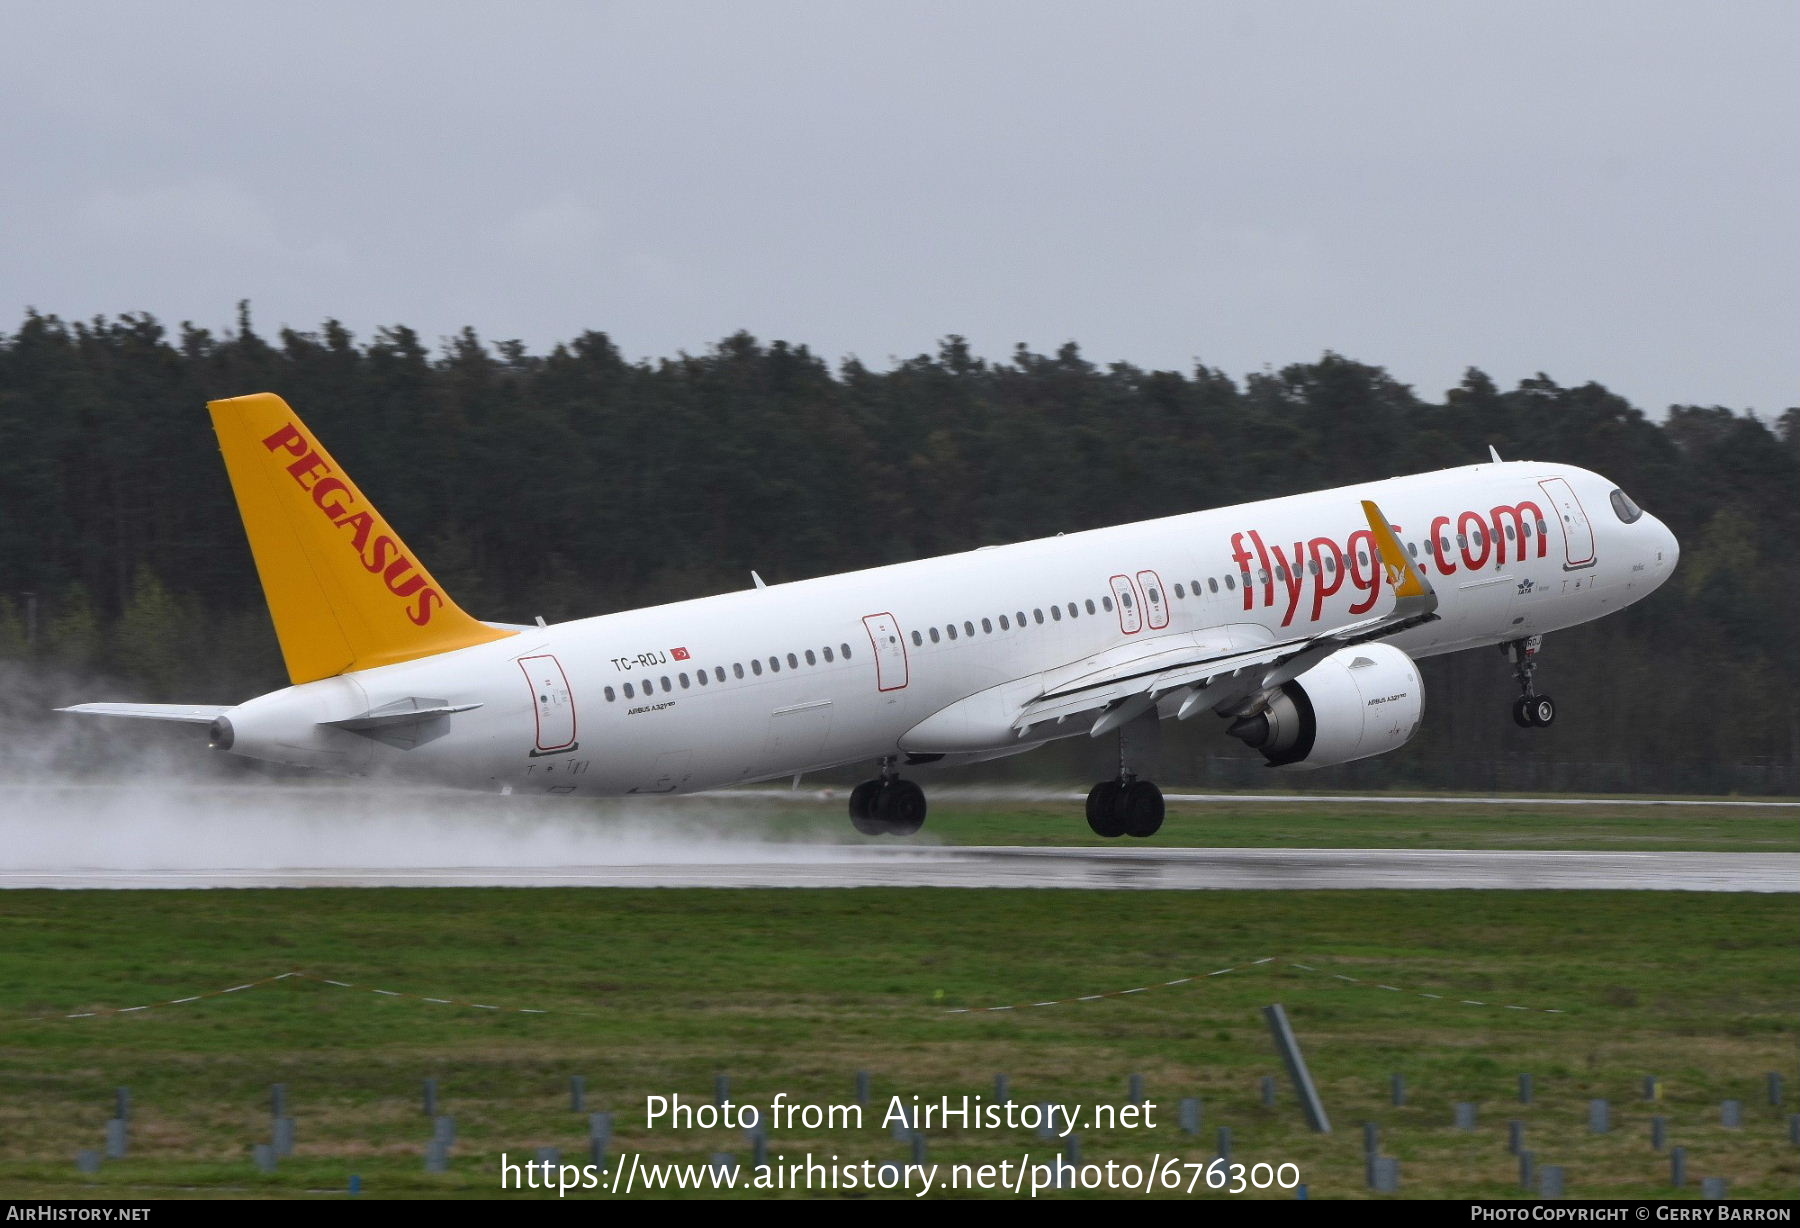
column 577, row 482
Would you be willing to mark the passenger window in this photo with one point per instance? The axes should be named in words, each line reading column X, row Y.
column 1262, row 577
column 738, row 668
column 1021, row 617
column 810, row 659
column 667, row 685
column 1090, row 605
column 1180, row 591
column 987, row 628
column 700, row 677
column 1281, row 572
column 917, row 639
column 1106, row 604
column 683, row 680
column 1212, row 584
column 1412, row 548
column 610, row 695
column 1245, row 577
column 1038, row 615
column 719, row 672
column 1074, row 610
column 935, row 637
column 1462, row 540
column 845, row 649
column 968, row 628
column 950, row 630
column 629, row 693
column 756, row 667
column 1510, row 534
column 774, row 665
column 1004, row 624
column 827, row 649
column 1126, row 598
column 1056, row 613
column 793, row 661
column 1542, row 528
column 1312, row 565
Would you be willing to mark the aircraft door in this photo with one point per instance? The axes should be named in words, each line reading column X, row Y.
column 1578, row 534
column 1156, row 600
column 891, row 671
column 552, row 702
column 1131, row 615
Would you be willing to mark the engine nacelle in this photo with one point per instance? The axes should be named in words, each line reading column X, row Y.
column 1355, row 703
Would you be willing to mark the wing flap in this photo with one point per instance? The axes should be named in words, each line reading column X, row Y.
column 1119, row 687
column 1132, row 681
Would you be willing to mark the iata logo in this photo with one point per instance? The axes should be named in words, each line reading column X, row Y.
column 333, row 496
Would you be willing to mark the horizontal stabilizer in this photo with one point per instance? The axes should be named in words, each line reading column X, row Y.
column 187, row 714
column 405, row 724
column 401, row 712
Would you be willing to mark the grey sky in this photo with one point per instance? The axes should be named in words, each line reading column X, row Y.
column 1605, row 191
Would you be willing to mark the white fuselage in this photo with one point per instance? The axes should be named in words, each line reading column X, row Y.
column 770, row 682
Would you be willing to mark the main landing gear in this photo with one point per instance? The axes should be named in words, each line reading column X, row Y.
column 1530, row 710
column 887, row 806
column 1125, row 807
column 1130, row 805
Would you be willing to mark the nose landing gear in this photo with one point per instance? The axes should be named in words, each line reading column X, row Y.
column 1530, row 710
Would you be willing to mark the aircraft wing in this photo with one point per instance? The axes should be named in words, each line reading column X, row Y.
column 1206, row 674
column 191, row 714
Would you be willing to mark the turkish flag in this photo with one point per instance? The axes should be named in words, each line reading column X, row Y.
column 680, row 654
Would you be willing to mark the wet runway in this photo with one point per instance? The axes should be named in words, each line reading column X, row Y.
column 1142, row 869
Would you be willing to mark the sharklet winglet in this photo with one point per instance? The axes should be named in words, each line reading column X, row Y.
column 1413, row 595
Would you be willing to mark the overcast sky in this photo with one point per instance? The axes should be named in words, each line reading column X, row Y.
column 1601, row 191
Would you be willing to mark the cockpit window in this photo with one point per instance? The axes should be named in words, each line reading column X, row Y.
column 1625, row 508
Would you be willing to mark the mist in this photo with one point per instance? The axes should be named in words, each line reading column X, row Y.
column 109, row 794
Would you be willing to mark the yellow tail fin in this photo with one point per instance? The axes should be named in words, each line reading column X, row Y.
column 345, row 592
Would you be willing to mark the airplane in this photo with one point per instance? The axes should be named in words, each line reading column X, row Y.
column 1295, row 622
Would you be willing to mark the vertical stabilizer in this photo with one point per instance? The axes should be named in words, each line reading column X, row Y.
column 344, row 590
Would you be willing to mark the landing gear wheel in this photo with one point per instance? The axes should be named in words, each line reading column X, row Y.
column 862, row 809
column 1104, row 813
column 1141, row 808
column 1530, row 710
column 900, row 807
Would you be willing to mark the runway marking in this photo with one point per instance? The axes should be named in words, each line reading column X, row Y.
column 1264, row 962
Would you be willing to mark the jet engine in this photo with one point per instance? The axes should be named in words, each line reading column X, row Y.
column 1355, row 703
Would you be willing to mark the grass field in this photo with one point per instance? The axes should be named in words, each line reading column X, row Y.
column 657, row 991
